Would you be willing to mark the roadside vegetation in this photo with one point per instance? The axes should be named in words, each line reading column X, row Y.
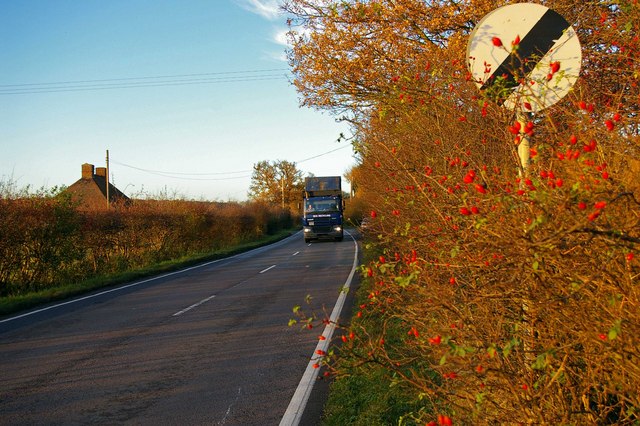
column 50, row 249
column 492, row 293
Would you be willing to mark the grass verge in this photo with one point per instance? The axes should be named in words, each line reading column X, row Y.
column 13, row 304
column 364, row 392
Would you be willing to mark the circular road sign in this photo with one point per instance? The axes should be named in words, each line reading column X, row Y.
column 525, row 56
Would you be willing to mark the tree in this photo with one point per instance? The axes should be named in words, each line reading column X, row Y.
column 278, row 182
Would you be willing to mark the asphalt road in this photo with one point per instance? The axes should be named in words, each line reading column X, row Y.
column 207, row 345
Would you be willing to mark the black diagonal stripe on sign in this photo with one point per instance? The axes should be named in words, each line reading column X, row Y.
column 532, row 48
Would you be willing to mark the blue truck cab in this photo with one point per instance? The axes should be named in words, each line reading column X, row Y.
column 323, row 206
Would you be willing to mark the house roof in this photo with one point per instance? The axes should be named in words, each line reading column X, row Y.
column 91, row 189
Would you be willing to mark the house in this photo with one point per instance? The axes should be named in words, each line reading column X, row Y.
column 90, row 191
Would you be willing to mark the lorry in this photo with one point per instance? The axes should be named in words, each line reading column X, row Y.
column 322, row 212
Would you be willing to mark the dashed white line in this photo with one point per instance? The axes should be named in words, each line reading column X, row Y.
column 195, row 305
column 295, row 254
column 265, row 270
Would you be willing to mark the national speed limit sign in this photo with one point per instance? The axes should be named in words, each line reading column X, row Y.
column 525, row 56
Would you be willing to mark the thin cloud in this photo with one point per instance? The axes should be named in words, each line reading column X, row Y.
column 280, row 37
column 268, row 9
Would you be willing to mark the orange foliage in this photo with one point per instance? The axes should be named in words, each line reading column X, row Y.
column 513, row 292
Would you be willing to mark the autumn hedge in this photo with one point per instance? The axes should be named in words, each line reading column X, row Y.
column 47, row 242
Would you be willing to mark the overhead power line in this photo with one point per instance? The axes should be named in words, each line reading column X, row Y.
column 202, row 175
column 189, row 176
column 147, row 81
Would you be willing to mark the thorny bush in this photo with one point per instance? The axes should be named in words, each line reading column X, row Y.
column 501, row 294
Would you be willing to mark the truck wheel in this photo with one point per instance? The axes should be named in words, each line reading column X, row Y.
column 307, row 240
column 339, row 238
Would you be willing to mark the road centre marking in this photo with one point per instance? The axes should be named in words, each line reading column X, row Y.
column 265, row 270
column 195, row 305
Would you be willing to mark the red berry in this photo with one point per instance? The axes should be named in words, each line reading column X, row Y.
column 481, row 189
column 435, row 340
column 609, row 124
column 496, row 42
column 600, row 205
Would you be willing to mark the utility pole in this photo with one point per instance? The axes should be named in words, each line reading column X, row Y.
column 282, row 187
column 107, row 180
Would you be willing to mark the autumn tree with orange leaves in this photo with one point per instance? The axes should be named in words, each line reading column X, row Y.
column 499, row 295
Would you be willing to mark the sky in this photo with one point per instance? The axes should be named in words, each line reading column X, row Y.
column 186, row 95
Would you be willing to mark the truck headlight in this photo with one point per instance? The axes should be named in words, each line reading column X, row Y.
column 337, row 228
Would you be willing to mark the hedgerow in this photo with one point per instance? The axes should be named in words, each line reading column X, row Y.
column 512, row 291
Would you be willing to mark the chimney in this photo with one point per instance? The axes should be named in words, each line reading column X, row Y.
column 87, row 171
column 101, row 171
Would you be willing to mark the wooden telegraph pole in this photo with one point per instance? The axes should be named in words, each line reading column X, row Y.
column 107, row 181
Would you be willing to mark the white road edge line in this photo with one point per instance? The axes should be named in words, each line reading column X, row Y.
column 298, row 402
column 69, row 302
column 265, row 270
column 195, row 305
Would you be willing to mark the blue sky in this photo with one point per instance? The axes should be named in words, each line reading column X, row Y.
column 185, row 94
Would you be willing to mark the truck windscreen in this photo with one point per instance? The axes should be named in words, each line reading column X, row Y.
column 322, row 204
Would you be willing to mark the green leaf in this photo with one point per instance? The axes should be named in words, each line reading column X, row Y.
column 615, row 330
column 541, row 362
column 443, row 360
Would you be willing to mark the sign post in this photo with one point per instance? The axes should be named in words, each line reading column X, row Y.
column 526, row 57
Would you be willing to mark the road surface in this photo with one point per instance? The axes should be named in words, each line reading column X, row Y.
column 207, row 345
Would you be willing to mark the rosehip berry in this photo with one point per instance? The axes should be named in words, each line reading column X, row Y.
column 496, row 42
column 610, row 125
column 435, row 340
